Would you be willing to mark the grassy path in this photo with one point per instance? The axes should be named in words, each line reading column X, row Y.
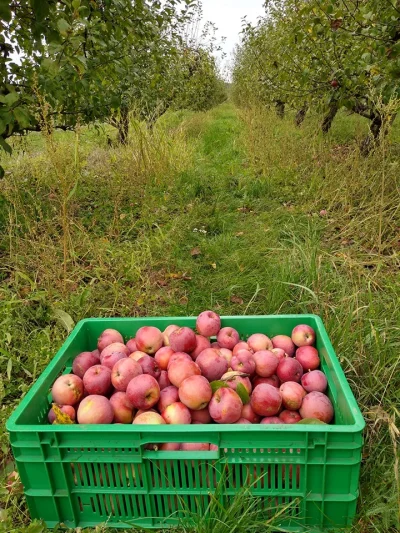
column 232, row 235
column 202, row 226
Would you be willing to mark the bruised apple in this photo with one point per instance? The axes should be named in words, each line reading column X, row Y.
column 67, row 389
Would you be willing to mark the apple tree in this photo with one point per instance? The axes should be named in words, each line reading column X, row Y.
column 75, row 60
column 325, row 54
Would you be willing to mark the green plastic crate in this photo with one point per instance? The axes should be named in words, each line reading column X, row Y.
column 82, row 475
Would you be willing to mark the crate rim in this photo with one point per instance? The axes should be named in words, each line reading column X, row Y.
column 358, row 426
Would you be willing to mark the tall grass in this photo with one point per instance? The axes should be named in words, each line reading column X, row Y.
column 349, row 252
column 66, row 201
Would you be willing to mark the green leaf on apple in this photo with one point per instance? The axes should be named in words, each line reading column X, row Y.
column 218, row 384
column 243, row 393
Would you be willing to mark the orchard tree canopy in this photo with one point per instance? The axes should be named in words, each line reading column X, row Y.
column 323, row 53
column 182, row 76
column 77, row 58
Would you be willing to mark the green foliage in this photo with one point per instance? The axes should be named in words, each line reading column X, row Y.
column 77, row 58
column 82, row 61
column 202, row 88
column 187, row 77
column 323, row 53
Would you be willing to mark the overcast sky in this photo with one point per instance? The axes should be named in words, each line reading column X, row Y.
column 228, row 15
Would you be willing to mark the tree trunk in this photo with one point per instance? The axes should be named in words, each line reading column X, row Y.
column 301, row 115
column 123, row 125
column 280, row 108
column 328, row 118
column 373, row 137
column 377, row 129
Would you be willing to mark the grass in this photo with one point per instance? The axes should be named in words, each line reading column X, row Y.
column 218, row 210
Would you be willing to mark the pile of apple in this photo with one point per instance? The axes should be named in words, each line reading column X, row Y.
column 181, row 377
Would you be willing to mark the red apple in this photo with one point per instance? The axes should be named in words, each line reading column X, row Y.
column 226, row 354
column 150, row 418
column 208, row 323
column 163, row 380
column 67, row 409
column 225, row 406
column 170, row 447
column 195, row 446
column 163, row 356
column 292, row 395
column 167, row 332
column 233, row 378
column 243, row 362
column 215, row 344
column 317, row 405
column 178, row 356
column 137, row 355
column 259, row 341
column 266, row 400
column 123, row 371
column 195, row 392
column 149, row 366
column 183, row 340
column 243, row 421
column 242, row 345
column 272, row 420
column 289, row 369
column 273, row 380
column 178, row 371
column 177, row 413
column 290, row 417
column 212, row 364
column 314, row 381
column 109, row 336
column 123, row 408
column 141, row 411
column 308, row 357
column 200, row 417
column 280, row 354
column 131, row 345
column 114, row 347
column 266, row 363
column 202, row 343
column 227, row 338
column 143, row 391
column 109, row 360
column 97, row 380
column 149, row 339
column 83, row 361
column 303, row 335
column 249, row 414
column 285, row 343
column 95, row 409
column 168, row 396
column 67, row 389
